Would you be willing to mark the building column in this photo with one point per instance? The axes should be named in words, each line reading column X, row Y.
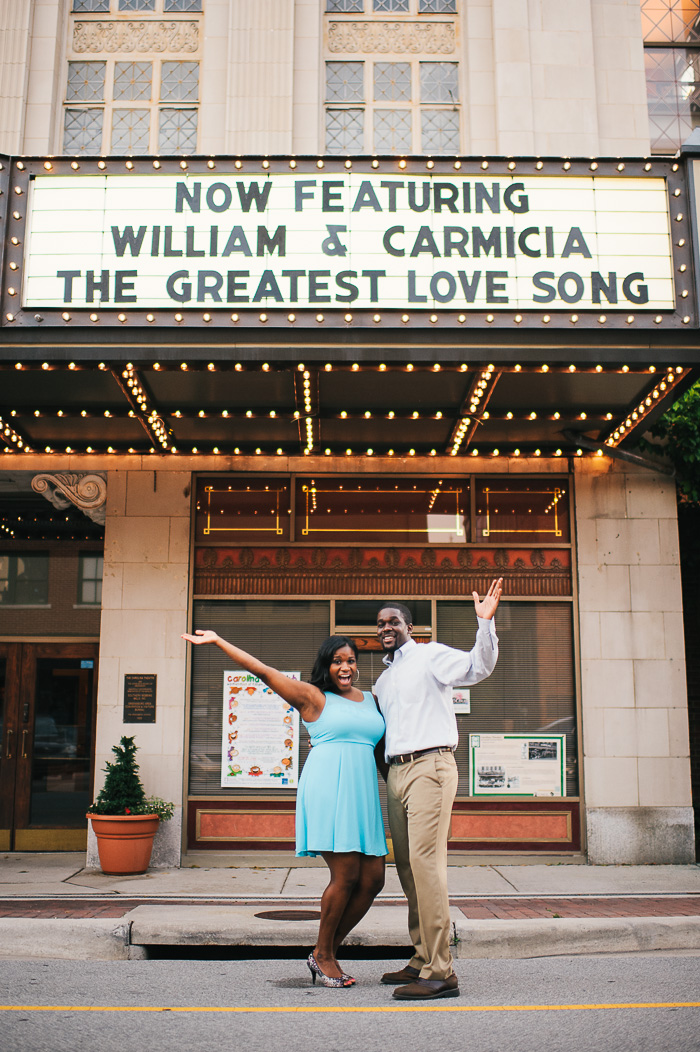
column 15, row 30
column 545, row 78
column 636, row 762
column 144, row 612
column 621, row 89
column 45, row 82
column 308, row 78
column 260, row 76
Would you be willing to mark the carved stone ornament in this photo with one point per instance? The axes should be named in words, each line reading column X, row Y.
column 138, row 37
column 395, row 38
column 86, row 492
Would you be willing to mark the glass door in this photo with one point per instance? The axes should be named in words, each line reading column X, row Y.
column 47, row 698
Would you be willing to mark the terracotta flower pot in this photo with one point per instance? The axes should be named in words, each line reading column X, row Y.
column 124, row 842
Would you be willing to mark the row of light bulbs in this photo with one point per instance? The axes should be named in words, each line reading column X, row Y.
column 400, row 162
column 355, row 367
column 12, row 438
column 635, row 418
column 264, row 317
column 367, row 414
column 154, row 424
column 307, row 392
column 481, row 385
column 369, row 452
column 480, row 388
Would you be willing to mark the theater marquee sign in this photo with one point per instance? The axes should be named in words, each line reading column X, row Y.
column 348, row 241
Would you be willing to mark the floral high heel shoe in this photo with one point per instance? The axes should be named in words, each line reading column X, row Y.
column 327, row 980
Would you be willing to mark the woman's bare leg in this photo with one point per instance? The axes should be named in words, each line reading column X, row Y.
column 370, row 883
column 345, row 873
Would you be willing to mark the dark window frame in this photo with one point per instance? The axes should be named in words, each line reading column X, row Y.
column 9, row 596
column 82, row 579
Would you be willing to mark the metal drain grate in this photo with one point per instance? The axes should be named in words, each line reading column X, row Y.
column 289, row 915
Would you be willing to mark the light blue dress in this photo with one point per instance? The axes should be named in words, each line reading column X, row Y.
column 338, row 797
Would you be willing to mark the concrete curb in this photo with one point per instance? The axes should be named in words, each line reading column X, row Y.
column 71, row 939
column 229, row 926
column 190, row 926
column 387, row 926
column 574, row 935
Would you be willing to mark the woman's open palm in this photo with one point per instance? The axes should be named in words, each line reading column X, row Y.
column 201, row 636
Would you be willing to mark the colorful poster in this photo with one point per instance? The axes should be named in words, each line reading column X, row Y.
column 260, row 740
column 517, row 764
column 461, row 700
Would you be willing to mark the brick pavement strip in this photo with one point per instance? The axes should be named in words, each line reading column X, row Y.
column 618, row 906
column 474, row 909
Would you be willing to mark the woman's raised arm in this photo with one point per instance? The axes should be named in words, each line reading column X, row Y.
column 304, row 697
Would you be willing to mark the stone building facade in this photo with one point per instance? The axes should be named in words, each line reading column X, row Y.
column 232, row 86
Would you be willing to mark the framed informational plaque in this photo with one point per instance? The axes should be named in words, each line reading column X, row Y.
column 139, row 698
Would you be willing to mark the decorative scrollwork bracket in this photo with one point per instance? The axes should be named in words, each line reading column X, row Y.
column 87, row 492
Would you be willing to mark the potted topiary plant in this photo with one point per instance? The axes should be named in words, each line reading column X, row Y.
column 123, row 818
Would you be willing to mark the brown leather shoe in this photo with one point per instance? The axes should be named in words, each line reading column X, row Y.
column 428, row 989
column 406, row 975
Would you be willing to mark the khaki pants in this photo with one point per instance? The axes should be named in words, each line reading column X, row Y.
column 420, row 795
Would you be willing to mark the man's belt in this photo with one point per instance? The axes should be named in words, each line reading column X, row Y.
column 406, row 757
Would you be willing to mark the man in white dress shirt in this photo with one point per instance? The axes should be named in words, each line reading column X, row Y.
column 415, row 697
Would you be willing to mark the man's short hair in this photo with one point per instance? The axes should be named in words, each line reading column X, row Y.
column 401, row 607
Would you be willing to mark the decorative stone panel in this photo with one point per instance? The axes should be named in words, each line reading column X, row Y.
column 135, row 37
column 396, row 38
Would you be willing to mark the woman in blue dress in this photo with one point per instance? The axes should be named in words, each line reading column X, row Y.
column 337, row 813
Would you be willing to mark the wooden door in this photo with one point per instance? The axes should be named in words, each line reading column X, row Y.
column 10, row 654
column 46, row 772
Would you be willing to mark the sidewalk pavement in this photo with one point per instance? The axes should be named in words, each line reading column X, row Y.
column 51, row 906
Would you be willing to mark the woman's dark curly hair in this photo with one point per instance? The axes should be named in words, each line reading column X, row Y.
column 320, row 673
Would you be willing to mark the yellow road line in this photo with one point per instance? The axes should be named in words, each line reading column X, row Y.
column 350, row 1008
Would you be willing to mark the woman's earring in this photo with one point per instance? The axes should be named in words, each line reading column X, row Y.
column 357, row 675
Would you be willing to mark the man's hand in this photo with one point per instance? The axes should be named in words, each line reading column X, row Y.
column 488, row 607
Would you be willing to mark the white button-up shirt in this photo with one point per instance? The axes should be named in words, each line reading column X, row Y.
column 415, row 690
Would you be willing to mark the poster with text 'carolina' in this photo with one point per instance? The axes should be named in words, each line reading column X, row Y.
column 260, row 742
column 517, row 765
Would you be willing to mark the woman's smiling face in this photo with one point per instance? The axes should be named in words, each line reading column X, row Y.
column 342, row 669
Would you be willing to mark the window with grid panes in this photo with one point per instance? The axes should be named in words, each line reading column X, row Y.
column 90, row 571
column 114, row 6
column 370, row 105
column 671, row 32
column 429, row 7
column 132, row 102
column 399, row 103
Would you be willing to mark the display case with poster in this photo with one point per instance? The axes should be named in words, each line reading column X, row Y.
column 260, row 735
column 517, row 765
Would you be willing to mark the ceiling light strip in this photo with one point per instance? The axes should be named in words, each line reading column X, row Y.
column 473, row 408
column 307, row 412
column 13, row 440
column 637, row 416
column 147, row 415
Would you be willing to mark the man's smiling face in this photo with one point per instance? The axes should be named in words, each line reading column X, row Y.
column 392, row 629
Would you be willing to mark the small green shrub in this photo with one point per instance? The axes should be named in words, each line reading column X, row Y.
column 123, row 792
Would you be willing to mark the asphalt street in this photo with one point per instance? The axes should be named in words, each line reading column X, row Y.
column 629, row 1003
